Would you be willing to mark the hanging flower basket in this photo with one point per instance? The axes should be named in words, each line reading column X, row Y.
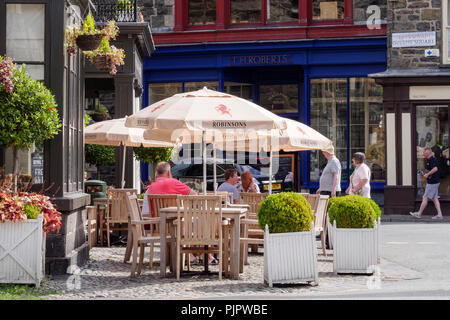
column 100, row 63
column 89, row 42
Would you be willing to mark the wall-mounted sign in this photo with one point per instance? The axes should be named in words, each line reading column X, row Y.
column 431, row 53
column 266, row 59
column 37, row 167
column 413, row 39
column 429, row 92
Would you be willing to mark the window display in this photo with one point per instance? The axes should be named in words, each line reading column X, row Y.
column 432, row 128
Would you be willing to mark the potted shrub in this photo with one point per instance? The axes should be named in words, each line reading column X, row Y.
column 289, row 240
column 25, row 219
column 28, row 111
column 100, row 113
column 355, row 224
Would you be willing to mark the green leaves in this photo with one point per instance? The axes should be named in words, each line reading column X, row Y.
column 353, row 211
column 99, row 155
column 28, row 114
column 152, row 155
column 285, row 212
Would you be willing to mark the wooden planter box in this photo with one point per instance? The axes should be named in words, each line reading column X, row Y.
column 22, row 251
column 290, row 257
column 355, row 250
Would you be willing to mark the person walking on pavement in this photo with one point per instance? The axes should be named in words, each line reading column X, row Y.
column 432, row 187
column 330, row 180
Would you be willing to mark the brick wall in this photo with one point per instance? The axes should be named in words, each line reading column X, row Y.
column 413, row 16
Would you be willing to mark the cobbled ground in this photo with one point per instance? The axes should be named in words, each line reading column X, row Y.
column 106, row 276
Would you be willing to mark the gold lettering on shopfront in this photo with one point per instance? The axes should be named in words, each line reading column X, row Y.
column 261, row 59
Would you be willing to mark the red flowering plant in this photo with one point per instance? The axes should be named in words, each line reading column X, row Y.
column 20, row 206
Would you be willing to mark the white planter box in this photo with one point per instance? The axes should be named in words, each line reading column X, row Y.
column 290, row 257
column 355, row 250
column 22, row 251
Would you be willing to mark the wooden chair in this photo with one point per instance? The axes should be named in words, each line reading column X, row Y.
column 92, row 225
column 140, row 239
column 313, row 200
column 251, row 233
column 200, row 224
column 157, row 202
column 320, row 220
column 116, row 212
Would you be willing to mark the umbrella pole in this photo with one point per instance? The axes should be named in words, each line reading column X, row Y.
column 123, row 165
column 204, row 161
column 270, row 171
column 214, row 166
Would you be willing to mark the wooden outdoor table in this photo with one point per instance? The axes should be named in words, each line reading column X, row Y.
column 235, row 214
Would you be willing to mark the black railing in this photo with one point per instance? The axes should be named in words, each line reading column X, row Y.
column 117, row 10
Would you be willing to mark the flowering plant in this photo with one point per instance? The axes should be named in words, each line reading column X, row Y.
column 112, row 56
column 110, row 31
column 6, row 72
column 15, row 207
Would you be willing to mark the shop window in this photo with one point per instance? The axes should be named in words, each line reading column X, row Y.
column 445, row 32
column 247, row 11
column 282, row 10
column 241, row 90
column 365, row 129
column 327, row 10
column 279, row 98
column 160, row 91
column 432, row 128
column 367, row 125
column 194, row 86
column 202, row 12
column 25, row 36
column 329, row 117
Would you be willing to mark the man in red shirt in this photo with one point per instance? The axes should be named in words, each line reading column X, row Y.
column 164, row 184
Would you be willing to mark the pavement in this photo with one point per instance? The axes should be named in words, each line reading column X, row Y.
column 414, row 265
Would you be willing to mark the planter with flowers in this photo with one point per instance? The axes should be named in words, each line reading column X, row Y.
column 25, row 219
column 289, row 240
column 95, row 44
column 87, row 38
column 106, row 57
column 355, row 234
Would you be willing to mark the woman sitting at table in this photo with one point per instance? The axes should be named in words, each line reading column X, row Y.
column 248, row 183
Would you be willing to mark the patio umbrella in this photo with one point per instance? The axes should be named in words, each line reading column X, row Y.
column 114, row 133
column 198, row 115
column 296, row 137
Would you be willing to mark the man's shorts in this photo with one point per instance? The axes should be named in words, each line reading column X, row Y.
column 431, row 191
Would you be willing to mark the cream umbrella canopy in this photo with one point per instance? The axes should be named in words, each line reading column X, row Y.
column 296, row 137
column 114, row 133
column 198, row 116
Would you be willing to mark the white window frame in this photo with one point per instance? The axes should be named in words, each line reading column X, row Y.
column 445, row 33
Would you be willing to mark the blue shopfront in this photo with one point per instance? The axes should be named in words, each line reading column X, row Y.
column 322, row 83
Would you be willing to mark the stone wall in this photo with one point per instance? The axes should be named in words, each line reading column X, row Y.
column 413, row 16
column 360, row 14
column 159, row 13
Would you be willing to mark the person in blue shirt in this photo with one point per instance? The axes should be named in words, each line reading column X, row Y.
column 231, row 183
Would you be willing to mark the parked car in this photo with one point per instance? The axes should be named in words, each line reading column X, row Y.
column 191, row 173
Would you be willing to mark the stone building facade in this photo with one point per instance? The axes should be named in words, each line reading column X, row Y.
column 416, row 87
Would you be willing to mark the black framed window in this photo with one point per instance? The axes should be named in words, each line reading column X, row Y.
column 432, row 130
